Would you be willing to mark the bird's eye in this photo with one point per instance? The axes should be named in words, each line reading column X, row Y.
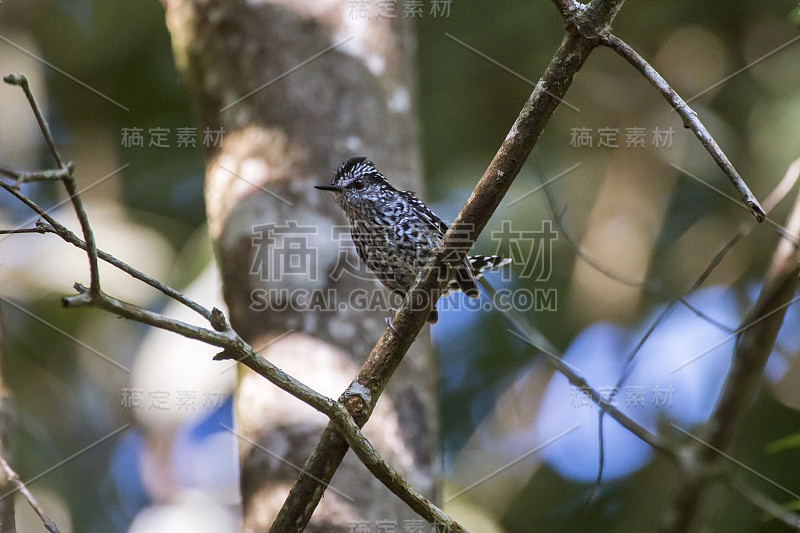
column 358, row 184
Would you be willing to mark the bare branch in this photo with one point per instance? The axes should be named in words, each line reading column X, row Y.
column 53, row 226
column 14, row 478
column 420, row 300
column 775, row 197
column 235, row 348
column 690, row 120
column 567, row 7
column 529, row 334
column 760, row 327
column 22, row 82
column 389, row 476
column 88, row 234
column 20, row 177
column 68, row 180
column 764, row 503
column 39, row 229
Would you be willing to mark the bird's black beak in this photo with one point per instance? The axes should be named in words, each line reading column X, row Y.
column 333, row 188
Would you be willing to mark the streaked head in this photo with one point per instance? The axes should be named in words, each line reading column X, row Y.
column 356, row 177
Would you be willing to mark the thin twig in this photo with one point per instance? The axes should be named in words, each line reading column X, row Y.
column 583, row 521
column 690, row 120
column 235, row 348
column 53, row 226
column 642, row 284
column 764, row 503
column 622, row 278
column 21, row 177
column 773, row 199
column 528, row 333
column 783, row 187
column 760, row 327
column 22, row 82
column 68, row 180
column 39, row 229
column 88, row 234
column 558, row 218
column 14, row 478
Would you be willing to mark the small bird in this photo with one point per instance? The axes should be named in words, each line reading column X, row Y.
column 395, row 233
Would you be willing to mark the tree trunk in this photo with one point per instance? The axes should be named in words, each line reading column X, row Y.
column 298, row 87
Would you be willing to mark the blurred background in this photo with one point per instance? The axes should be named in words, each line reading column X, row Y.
column 123, row 428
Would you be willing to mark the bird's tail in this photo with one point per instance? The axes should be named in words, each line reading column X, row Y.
column 464, row 277
column 481, row 263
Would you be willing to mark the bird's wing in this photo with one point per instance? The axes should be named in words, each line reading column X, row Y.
column 424, row 212
column 462, row 273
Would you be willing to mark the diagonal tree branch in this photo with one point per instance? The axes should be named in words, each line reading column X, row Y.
column 14, row 478
column 223, row 336
column 584, row 30
column 529, row 334
column 567, row 7
column 780, row 191
column 760, row 327
column 585, row 26
column 690, row 120
column 53, row 226
column 235, row 348
column 420, row 300
column 764, row 503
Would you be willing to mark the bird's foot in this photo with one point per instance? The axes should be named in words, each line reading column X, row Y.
column 388, row 319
